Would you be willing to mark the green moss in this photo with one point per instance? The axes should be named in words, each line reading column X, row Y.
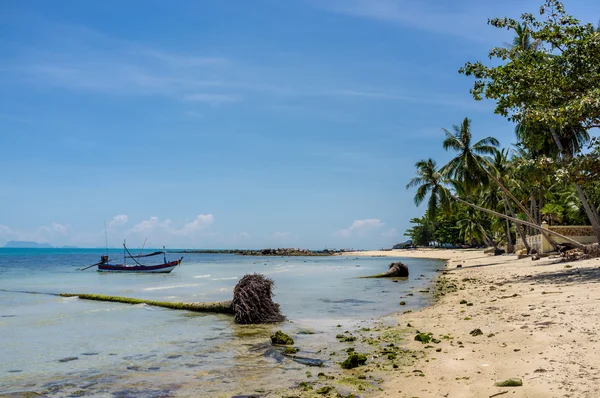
column 354, row 360
column 325, row 390
column 290, row 350
column 343, row 338
column 305, row 386
column 223, row 307
column 423, row 338
column 510, row 383
column 280, row 338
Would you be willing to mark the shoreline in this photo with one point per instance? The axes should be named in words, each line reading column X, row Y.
column 521, row 319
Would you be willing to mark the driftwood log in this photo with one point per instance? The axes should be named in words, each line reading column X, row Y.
column 396, row 270
column 252, row 302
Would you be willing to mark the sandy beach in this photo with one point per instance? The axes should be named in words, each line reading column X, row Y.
column 536, row 321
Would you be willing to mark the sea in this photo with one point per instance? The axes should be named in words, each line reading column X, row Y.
column 65, row 347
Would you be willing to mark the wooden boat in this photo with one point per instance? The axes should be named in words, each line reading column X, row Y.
column 159, row 268
column 167, row 266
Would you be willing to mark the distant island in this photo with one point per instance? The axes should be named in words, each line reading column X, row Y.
column 21, row 244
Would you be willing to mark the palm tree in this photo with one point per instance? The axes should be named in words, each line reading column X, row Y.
column 429, row 179
column 523, row 38
column 468, row 167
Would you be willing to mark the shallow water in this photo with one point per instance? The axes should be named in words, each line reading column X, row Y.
column 71, row 347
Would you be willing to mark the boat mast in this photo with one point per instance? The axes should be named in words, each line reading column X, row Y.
column 106, row 238
column 124, row 254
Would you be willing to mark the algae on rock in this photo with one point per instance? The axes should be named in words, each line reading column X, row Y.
column 280, row 338
column 354, row 360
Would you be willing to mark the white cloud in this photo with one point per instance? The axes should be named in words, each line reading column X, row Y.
column 47, row 233
column 117, row 221
column 213, row 98
column 7, row 233
column 202, row 222
column 360, row 228
column 84, row 60
column 468, row 21
column 391, row 233
column 165, row 232
column 281, row 235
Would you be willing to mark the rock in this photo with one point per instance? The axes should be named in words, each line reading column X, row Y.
column 68, row 359
column 325, row 390
column 345, row 339
column 280, row 338
column 290, row 350
column 354, row 360
column 476, row 332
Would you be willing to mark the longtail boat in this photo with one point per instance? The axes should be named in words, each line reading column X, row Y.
column 167, row 266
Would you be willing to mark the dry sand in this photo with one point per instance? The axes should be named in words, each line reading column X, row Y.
column 539, row 323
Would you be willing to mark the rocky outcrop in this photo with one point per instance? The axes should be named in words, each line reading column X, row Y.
column 267, row 252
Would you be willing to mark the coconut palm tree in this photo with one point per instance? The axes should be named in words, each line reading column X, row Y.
column 523, row 38
column 468, row 167
column 429, row 180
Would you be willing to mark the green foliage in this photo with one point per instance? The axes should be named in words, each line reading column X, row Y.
column 468, row 165
column 422, row 232
column 565, row 59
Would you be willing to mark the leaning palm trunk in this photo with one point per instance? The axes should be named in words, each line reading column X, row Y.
column 509, row 243
column 221, row 307
column 252, row 302
column 590, row 211
column 523, row 208
column 522, row 222
column 518, row 227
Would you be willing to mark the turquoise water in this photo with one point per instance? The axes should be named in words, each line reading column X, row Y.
column 137, row 350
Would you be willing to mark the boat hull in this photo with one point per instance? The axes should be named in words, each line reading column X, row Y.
column 146, row 269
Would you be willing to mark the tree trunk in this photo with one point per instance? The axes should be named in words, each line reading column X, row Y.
column 516, row 220
column 520, row 231
column 533, row 209
column 518, row 202
column 540, row 206
column 510, row 248
column 219, row 307
column 591, row 212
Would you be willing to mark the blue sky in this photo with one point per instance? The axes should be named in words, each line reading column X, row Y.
column 215, row 124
